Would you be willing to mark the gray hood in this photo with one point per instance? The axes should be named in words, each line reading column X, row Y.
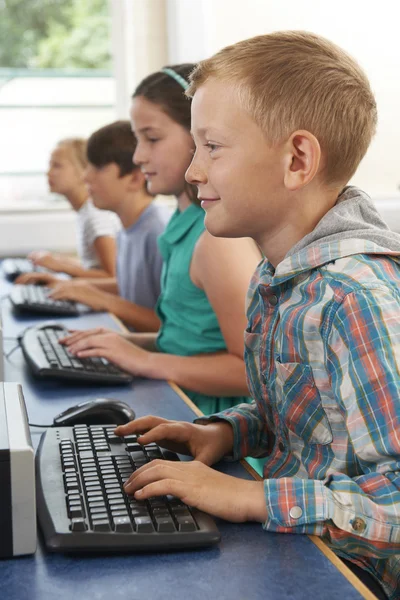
column 354, row 216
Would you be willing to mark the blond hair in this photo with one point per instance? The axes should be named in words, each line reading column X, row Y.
column 76, row 149
column 292, row 80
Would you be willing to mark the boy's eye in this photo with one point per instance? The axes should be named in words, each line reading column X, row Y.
column 211, row 147
column 152, row 140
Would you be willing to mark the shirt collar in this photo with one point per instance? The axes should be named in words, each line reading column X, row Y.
column 181, row 223
column 316, row 256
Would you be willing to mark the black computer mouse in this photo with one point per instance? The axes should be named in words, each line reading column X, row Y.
column 101, row 411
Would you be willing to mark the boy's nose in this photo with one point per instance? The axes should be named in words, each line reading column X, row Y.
column 195, row 174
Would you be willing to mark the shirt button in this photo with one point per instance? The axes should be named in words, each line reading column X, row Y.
column 281, row 447
column 273, row 300
column 296, row 512
column 358, row 525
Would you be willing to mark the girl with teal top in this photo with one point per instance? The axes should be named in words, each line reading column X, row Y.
column 204, row 279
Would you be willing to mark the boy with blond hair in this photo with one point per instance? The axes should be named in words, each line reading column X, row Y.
column 281, row 123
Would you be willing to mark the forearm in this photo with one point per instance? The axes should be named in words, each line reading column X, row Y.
column 139, row 317
column 147, row 341
column 106, row 285
column 77, row 270
column 214, row 374
column 91, row 274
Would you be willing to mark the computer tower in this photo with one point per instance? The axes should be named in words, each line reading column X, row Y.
column 17, row 475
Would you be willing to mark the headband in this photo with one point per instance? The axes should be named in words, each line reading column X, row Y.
column 178, row 78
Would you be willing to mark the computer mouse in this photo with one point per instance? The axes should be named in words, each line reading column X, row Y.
column 101, row 411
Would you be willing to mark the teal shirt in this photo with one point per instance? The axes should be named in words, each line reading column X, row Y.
column 189, row 325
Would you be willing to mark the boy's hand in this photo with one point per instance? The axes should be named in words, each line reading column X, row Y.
column 77, row 335
column 80, row 292
column 206, row 443
column 200, row 486
column 37, row 279
column 113, row 347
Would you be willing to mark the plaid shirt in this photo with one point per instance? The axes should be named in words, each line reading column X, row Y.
column 322, row 352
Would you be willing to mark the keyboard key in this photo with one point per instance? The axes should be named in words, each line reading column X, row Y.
column 143, row 524
column 138, row 512
column 72, row 485
column 76, row 511
column 74, row 497
column 114, row 439
column 153, row 454
column 186, row 523
column 116, row 501
column 117, row 505
column 168, row 455
column 178, row 511
column 101, row 525
column 122, row 524
column 94, row 497
column 78, row 524
column 134, row 447
column 164, row 524
column 119, row 513
column 138, row 456
column 130, row 438
column 96, row 504
column 157, row 503
column 99, row 512
column 115, row 496
column 160, row 512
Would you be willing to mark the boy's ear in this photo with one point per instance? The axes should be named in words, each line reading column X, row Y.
column 303, row 159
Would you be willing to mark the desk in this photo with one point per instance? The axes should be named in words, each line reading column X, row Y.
column 247, row 564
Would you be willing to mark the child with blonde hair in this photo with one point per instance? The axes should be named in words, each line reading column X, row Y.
column 280, row 123
column 96, row 229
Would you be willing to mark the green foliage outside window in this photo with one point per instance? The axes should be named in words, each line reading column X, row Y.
column 55, row 34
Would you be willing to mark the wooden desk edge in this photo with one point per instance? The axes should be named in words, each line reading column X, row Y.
column 353, row 579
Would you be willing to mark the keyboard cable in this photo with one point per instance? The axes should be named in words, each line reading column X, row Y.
column 8, row 354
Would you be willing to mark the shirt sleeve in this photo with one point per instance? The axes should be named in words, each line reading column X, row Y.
column 250, row 430
column 357, row 514
column 100, row 223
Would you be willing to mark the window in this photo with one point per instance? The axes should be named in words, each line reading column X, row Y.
column 55, row 82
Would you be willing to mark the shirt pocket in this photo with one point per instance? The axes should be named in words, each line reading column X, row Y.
column 299, row 404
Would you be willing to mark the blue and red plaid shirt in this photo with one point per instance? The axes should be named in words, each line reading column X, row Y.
column 322, row 352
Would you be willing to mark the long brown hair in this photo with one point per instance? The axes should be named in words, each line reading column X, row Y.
column 163, row 90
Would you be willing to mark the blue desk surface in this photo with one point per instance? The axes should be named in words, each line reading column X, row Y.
column 248, row 563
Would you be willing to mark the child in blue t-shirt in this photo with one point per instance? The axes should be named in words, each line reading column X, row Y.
column 116, row 184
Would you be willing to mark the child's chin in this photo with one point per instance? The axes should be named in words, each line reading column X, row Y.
column 218, row 228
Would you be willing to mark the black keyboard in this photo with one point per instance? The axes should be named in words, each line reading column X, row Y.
column 47, row 358
column 82, row 506
column 14, row 267
column 35, row 299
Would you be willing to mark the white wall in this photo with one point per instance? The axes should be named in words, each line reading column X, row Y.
column 139, row 45
column 24, row 231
